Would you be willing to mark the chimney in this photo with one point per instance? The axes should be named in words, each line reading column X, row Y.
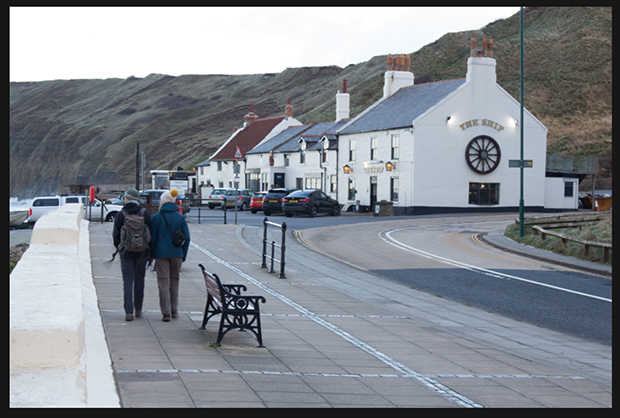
column 288, row 110
column 247, row 119
column 398, row 74
column 342, row 103
column 481, row 65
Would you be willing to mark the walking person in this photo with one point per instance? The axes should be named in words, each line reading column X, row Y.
column 168, row 254
column 131, row 234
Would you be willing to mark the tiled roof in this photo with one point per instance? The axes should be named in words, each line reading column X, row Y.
column 248, row 138
column 289, row 133
column 403, row 107
column 314, row 133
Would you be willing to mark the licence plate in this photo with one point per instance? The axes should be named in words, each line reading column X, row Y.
column 293, row 201
column 273, row 201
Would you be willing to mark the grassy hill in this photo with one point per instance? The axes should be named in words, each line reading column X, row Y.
column 85, row 131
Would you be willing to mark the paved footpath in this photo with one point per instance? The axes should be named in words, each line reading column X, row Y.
column 334, row 336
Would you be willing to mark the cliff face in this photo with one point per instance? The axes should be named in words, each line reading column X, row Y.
column 86, row 131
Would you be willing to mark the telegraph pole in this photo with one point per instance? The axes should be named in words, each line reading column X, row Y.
column 521, row 123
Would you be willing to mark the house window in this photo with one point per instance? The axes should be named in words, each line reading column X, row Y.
column 324, row 152
column 313, row 183
column 351, row 188
column 373, row 149
column 219, row 166
column 299, row 182
column 286, row 160
column 483, row 193
column 333, row 183
column 394, row 189
column 568, row 189
column 395, row 147
column 352, row 150
column 302, row 157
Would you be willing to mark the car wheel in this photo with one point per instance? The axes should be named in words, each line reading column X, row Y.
column 336, row 211
column 253, row 210
column 243, row 207
column 267, row 213
column 288, row 214
column 313, row 211
column 211, row 207
column 110, row 217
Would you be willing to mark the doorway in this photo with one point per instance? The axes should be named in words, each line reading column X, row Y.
column 278, row 180
column 373, row 190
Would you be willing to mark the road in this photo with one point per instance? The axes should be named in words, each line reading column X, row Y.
column 442, row 256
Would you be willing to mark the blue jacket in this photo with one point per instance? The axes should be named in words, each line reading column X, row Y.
column 161, row 235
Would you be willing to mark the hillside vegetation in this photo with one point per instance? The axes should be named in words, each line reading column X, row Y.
column 85, row 131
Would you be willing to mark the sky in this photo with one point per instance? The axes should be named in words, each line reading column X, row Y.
column 50, row 43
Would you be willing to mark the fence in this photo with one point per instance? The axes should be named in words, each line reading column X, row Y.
column 202, row 214
column 273, row 244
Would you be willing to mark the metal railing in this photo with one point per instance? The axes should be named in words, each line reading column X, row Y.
column 202, row 214
column 273, row 244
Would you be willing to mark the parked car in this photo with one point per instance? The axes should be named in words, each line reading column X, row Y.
column 45, row 204
column 242, row 196
column 155, row 196
column 272, row 202
column 215, row 198
column 309, row 202
column 256, row 203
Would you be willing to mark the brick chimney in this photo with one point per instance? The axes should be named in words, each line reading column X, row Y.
column 247, row 119
column 481, row 65
column 398, row 74
column 342, row 103
column 288, row 110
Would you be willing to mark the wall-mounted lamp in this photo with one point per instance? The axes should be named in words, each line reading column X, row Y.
column 516, row 122
column 389, row 166
column 346, row 169
column 448, row 119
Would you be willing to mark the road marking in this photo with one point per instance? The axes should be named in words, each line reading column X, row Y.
column 386, row 236
column 428, row 382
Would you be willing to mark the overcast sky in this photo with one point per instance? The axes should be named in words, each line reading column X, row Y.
column 49, row 43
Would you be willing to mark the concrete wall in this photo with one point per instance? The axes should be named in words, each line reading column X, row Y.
column 58, row 353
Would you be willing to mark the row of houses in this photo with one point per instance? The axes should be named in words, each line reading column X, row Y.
column 445, row 146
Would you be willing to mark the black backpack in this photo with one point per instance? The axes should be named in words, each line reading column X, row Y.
column 135, row 234
column 178, row 237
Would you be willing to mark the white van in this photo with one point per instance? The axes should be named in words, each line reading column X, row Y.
column 45, row 204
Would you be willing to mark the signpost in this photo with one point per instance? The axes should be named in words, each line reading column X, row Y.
column 238, row 156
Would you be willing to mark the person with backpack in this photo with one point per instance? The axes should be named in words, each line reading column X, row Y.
column 131, row 235
column 169, row 245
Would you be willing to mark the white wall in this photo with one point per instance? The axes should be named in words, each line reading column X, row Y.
column 554, row 196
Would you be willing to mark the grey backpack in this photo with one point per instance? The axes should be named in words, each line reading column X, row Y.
column 135, row 234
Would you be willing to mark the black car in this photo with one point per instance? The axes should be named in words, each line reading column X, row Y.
column 272, row 202
column 310, row 202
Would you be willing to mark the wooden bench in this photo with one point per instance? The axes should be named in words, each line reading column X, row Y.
column 238, row 311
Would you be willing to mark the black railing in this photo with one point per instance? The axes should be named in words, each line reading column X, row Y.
column 198, row 213
column 273, row 244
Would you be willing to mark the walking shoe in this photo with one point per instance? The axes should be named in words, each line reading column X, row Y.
column 128, row 317
column 138, row 313
column 175, row 315
column 166, row 318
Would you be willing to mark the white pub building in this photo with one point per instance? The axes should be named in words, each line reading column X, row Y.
column 442, row 146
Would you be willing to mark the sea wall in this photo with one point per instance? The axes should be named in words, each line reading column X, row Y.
column 58, row 353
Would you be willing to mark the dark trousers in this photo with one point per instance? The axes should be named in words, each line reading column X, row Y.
column 168, row 272
column 133, row 270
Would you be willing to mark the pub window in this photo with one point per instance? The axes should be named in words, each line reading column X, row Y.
column 395, row 147
column 313, row 183
column 483, row 193
column 394, row 189
column 373, row 149
column 351, row 188
column 333, row 183
column 352, row 150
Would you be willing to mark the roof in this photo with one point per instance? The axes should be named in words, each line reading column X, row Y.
column 248, row 137
column 311, row 135
column 289, row 133
column 401, row 108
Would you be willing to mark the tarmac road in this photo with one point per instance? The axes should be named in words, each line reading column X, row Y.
column 442, row 256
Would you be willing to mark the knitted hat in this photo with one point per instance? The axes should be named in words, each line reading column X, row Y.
column 169, row 196
column 132, row 194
